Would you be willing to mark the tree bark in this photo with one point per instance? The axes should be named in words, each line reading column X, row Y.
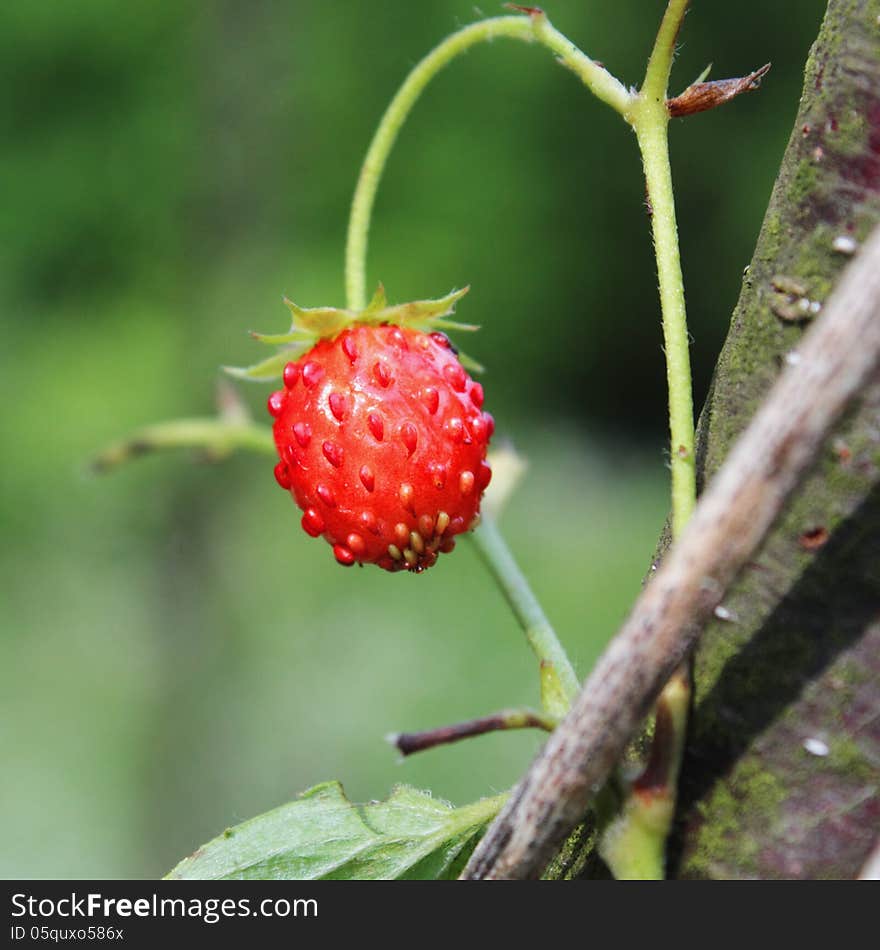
column 782, row 768
column 782, row 772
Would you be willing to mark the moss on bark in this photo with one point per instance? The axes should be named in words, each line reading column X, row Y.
column 782, row 773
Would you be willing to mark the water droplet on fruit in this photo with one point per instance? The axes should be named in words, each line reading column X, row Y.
column 356, row 543
column 406, row 495
column 410, row 436
column 302, row 432
column 312, row 522
column 337, row 405
column 382, row 374
column 282, row 475
column 343, row 555
column 368, row 522
column 479, row 429
column 454, row 429
column 455, row 376
column 396, row 338
column 477, row 395
column 441, row 339
column 466, row 482
column 334, row 453
column 490, row 424
column 437, row 474
column 431, row 399
column 368, row 480
column 312, row 374
column 291, row 375
column 377, row 426
column 484, row 475
column 326, row 495
column 275, row 403
column 349, row 348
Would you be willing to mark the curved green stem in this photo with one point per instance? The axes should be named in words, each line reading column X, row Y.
column 559, row 683
column 531, row 28
column 634, row 842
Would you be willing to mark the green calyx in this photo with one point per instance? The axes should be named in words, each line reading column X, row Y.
column 311, row 324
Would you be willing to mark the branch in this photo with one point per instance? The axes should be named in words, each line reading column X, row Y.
column 407, row 743
column 839, row 356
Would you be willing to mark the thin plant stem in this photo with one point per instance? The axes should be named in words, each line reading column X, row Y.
column 651, row 132
column 656, row 79
column 529, row 28
column 408, row 743
column 559, row 683
column 650, row 120
column 633, row 844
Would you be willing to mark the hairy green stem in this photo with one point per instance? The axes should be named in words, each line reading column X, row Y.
column 559, row 684
column 634, row 843
column 529, row 28
column 651, row 131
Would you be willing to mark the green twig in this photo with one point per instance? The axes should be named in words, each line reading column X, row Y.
column 530, row 28
column 650, row 120
column 559, row 684
column 634, row 843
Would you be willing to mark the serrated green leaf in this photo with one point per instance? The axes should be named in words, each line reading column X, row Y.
column 469, row 363
column 324, row 836
column 421, row 314
column 279, row 339
column 454, row 325
column 270, row 368
column 319, row 321
column 379, row 301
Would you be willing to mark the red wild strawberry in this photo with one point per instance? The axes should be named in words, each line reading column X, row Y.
column 382, row 442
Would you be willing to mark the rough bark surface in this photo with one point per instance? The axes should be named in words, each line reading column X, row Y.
column 782, row 771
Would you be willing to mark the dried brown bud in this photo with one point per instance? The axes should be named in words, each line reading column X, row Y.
column 702, row 96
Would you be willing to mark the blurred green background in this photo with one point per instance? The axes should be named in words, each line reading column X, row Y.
column 176, row 654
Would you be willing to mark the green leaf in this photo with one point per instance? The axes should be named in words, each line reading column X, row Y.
column 279, row 339
column 324, row 836
column 420, row 314
column 379, row 301
column 469, row 363
column 319, row 321
column 270, row 368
